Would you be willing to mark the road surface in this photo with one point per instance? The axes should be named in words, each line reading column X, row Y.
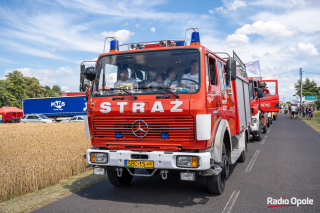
column 285, row 164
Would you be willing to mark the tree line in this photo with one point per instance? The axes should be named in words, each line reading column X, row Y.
column 309, row 88
column 17, row 87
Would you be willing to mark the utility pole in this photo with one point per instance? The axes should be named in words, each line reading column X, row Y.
column 300, row 87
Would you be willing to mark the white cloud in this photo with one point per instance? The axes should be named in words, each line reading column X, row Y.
column 63, row 70
column 236, row 4
column 121, row 35
column 271, row 29
column 305, row 20
column 65, row 88
column 153, row 29
column 304, row 49
column 236, row 39
column 211, row 11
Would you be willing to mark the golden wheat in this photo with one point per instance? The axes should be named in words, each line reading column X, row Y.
column 34, row 156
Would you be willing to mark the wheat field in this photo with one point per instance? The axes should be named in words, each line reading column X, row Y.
column 34, row 156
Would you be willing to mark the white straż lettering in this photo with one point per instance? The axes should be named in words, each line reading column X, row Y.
column 105, row 107
column 157, row 107
column 175, row 107
column 121, row 104
column 138, row 106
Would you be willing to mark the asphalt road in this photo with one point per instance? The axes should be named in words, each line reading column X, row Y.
column 286, row 163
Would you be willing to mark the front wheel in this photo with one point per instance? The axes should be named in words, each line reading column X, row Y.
column 117, row 181
column 217, row 183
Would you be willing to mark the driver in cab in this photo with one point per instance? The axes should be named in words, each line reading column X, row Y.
column 124, row 78
column 193, row 75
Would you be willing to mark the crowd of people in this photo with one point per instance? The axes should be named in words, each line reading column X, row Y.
column 299, row 112
column 165, row 79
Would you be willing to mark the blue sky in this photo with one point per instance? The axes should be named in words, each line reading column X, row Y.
column 49, row 39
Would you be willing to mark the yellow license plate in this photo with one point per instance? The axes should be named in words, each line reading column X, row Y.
column 138, row 164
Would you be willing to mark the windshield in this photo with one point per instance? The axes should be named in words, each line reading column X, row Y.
column 43, row 117
column 148, row 72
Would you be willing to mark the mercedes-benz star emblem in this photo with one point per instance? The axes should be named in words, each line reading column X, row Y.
column 140, row 128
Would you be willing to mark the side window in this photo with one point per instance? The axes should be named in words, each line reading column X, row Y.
column 35, row 117
column 207, row 75
column 80, row 118
column 23, row 117
column 221, row 76
column 213, row 73
column 73, row 119
column 30, row 117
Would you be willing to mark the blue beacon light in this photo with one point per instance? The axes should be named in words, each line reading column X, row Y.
column 195, row 37
column 114, row 45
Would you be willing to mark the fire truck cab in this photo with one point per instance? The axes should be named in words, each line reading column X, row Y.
column 158, row 107
column 264, row 101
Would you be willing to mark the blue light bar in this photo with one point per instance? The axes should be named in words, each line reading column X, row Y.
column 181, row 43
column 195, row 37
column 114, row 45
column 164, row 135
column 118, row 135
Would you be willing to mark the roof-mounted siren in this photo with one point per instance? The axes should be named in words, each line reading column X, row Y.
column 114, row 44
column 195, row 36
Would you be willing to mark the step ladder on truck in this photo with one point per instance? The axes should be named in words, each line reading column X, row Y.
column 158, row 107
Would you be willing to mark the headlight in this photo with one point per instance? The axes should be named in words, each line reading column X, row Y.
column 187, row 161
column 99, row 158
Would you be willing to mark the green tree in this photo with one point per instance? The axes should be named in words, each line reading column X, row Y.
column 309, row 88
column 48, row 92
column 57, row 90
column 33, row 88
column 15, row 85
column 6, row 98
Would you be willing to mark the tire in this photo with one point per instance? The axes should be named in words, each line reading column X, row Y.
column 125, row 179
column 268, row 123
column 264, row 128
column 258, row 137
column 216, row 184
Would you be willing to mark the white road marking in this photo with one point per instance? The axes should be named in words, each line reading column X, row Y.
column 253, row 160
column 264, row 140
column 231, row 201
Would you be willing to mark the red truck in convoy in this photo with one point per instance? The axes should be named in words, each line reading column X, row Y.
column 264, row 101
column 164, row 106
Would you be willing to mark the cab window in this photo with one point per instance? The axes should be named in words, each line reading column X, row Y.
column 221, row 76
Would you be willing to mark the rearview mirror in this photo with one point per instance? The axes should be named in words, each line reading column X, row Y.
column 261, row 85
column 260, row 92
column 231, row 66
column 82, row 87
column 90, row 73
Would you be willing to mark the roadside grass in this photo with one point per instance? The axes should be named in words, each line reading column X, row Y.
column 315, row 122
column 47, row 195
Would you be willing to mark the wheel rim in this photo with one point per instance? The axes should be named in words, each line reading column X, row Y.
column 225, row 169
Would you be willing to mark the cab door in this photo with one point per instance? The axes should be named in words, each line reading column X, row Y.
column 270, row 101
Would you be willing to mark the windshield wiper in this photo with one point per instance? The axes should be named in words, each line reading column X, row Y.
column 126, row 91
column 169, row 91
column 164, row 89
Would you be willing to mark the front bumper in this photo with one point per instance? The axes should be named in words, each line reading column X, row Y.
column 161, row 159
column 254, row 127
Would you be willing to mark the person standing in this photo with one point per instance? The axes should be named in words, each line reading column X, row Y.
column 289, row 107
column 300, row 112
column 307, row 112
column 310, row 113
column 293, row 111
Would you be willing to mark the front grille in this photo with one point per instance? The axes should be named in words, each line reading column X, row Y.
column 179, row 128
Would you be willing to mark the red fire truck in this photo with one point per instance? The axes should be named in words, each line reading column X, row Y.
column 264, row 101
column 161, row 106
